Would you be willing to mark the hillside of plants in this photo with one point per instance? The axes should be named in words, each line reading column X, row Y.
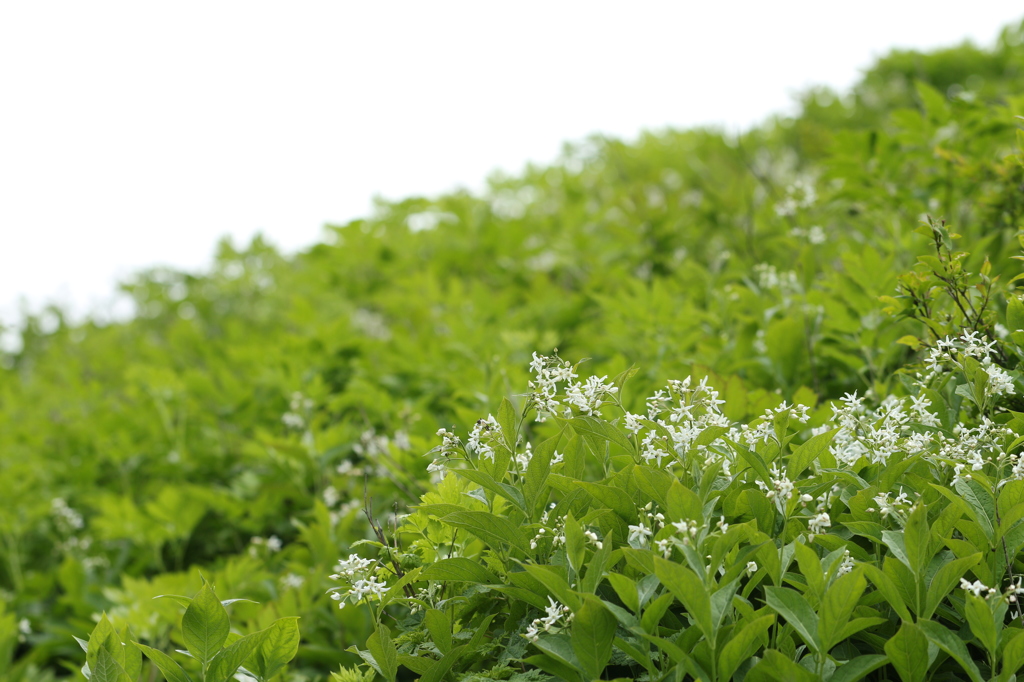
column 697, row 406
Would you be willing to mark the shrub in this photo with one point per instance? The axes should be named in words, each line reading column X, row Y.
column 579, row 536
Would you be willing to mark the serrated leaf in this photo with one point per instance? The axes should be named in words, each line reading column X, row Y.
column 440, row 629
column 106, row 669
column 279, row 645
column 170, row 669
column 205, row 625
column 229, row 659
column 384, row 652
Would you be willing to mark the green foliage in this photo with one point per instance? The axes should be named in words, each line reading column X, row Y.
column 214, row 655
column 266, row 417
column 676, row 543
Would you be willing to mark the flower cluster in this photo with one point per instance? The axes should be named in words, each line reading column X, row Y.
column 299, row 408
column 952, row 353
column 549, row 373
column 67, row 519
column 878, row 434
column 800, row 194
column 557, row 616
column 482, row 436
column 689, row 411
column 358, row 573
column 590, row 396
column 556, row 533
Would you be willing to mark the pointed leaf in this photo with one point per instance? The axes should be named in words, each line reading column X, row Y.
column 688, row 589
column 794, row 608
column 952, row 645
column 908, row 652
column 593, row 630
column 742, row 645
column 172, row 672
column 279, row 646
column 205, row 625
column 384, row 652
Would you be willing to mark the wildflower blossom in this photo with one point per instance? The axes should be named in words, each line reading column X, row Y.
column 638, row 535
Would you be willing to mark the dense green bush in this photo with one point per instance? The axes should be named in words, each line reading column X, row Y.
column 245, row 417
column 672, row 541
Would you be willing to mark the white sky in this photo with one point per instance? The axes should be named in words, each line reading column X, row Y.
column 138, row 133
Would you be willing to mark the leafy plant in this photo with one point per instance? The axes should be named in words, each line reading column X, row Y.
column 575, row 537
column 215, row 652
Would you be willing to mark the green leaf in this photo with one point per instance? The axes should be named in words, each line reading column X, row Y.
column 777, row 667
column 945, row 579
column 440, row 629
column 492, row 529
column 553, row 581
column 560, row 648
column 803, row 455
column 626, row 589
column 979, row 500
column 593, row 629
column 952, row 645
column 916, row 537
column 794, row 608
column 205, row 625
column 507, row 422
column 908, row 652
column 575, row 543
column 857, row 668
column 485, row 481
column 107, row 669
column 600, row 429
column 384, row 652
column 172, row 672
column 654, row 483
column 537, row 472
column 437, row 671
column 690, row 590
column 979, row 617
column 458, row 569
column 1013, row 654
column 553, row 666
column 742, row 644
column 616, row 499
column 597, row 565
column 1014, row 314
column 279, row 645
column 837, row 607
column 103, row 637
column 132, row 657
column 683, row 503
column 655, row 611
column 227, row 662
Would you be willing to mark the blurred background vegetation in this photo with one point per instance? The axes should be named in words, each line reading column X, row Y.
column 237, row 424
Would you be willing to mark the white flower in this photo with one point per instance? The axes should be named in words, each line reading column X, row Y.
column 638, row 535
column 751, row 568
column 437, row 467
column 819, row 523
column 847, row 564
column 976, row 588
